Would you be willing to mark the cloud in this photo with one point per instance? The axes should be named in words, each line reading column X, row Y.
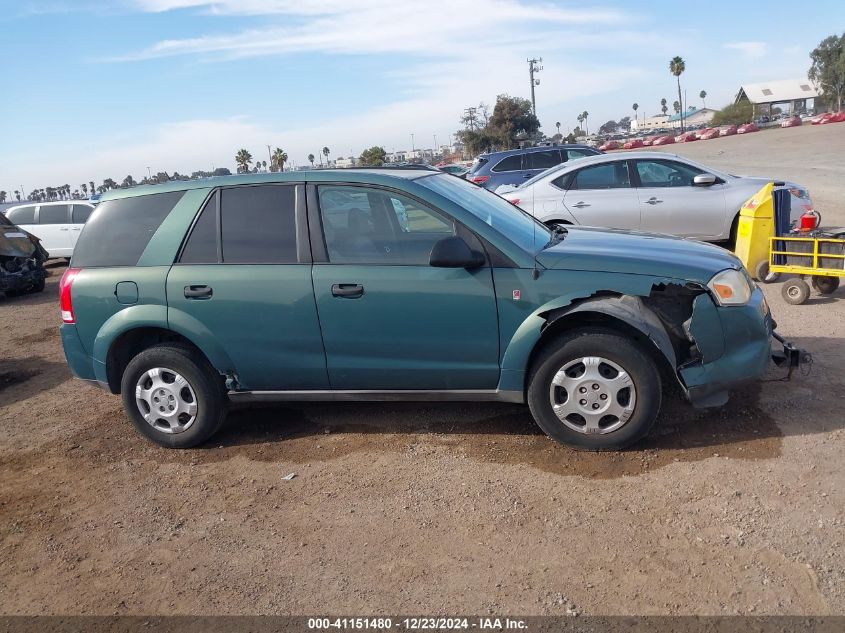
column 751, row 50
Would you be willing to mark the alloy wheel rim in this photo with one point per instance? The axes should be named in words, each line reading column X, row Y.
column 166, row 400
column 593, row 395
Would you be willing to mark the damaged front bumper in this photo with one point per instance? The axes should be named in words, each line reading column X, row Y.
column 21, row 280
column 737, row 345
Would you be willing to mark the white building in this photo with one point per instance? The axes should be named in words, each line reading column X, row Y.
column 345, row 162
column 792, row 93
column 650, row 123
column 693, row 116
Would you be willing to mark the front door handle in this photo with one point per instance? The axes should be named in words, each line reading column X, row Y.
column 580, row 205
column 348, row 291
column 198, row 292
column 653, row 200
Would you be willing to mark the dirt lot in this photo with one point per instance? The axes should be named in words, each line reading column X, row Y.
column 431, row 509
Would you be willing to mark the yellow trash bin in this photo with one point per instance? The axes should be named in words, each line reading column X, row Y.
column 756, row 226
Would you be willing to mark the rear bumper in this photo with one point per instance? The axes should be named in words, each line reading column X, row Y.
column 80, row 363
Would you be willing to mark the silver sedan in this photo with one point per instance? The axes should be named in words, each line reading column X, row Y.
column 648, row 191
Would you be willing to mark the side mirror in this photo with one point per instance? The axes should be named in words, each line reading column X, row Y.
column 704, row 180
column 454, row 252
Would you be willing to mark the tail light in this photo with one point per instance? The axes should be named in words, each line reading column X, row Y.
column 65, row 300
column 479, row 180
column 514, row 201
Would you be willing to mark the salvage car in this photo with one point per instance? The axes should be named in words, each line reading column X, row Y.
column 646, row 190
column 379, row 284
column 56, row 224
column 21, row 260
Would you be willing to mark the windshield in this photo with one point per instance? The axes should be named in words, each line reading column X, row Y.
column 509, row 220
column 478, row 164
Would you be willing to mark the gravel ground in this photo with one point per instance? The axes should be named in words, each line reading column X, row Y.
column 428, row 509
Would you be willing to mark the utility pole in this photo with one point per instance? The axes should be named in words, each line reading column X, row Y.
column 413, row 149
column 435, row 143
column 269, row 155
column 534, row 66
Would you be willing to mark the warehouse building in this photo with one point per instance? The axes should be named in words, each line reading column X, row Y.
column 793, row 95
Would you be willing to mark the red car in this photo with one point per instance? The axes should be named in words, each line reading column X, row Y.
column 747, row 128
column 727, row 131
column 608, row 145
column 663, row 140
column 711, row 132
column 835, row 117
column 634, row 143
column 793, row 121
column 686, row 137
column 822, row 118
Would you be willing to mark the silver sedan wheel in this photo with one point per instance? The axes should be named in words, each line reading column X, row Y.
column 593, row 395
column 166, row 400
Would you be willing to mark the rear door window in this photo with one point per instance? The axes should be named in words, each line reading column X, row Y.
column 53, row 214
column 511, row 163
column 258, row 224
column 544, row 159
column 79, row 213
column 22, row 215
column 604, row 176
column 575, row 154
column 665, row 173
column 201, row 247
column 119, row 231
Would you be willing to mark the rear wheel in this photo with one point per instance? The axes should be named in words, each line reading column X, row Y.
column 795, row 291
column 173, row 396
column 825, row 285
column 763, row 274
column 595, row 390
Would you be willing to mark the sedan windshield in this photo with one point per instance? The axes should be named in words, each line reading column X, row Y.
column 509, row 220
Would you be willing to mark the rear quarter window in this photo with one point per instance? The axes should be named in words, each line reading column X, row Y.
column 511, row 163
column 119, row 230
column 22, row 215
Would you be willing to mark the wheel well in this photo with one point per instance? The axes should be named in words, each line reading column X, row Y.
column 603, row 321
column 129, row 344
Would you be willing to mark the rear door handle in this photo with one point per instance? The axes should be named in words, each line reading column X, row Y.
column 653, row 200
column 348, row 291
column 198, row 292
column 581, row 205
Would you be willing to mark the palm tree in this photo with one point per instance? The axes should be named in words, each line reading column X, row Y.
column 18, row 195
column 242, row 159
column 586, row 114
column 311, row 160
column 557, row 125
column 677, row 67
column 326, row 153
column 129, row 181
column 279, row 158
column 84, row 188
column 635, row 107
column 663, row 107
column 703, row 95
column 91, row 186
column 3, row 195
column 677, row 106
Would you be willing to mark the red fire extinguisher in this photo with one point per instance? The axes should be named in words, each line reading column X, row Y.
column 809, row 221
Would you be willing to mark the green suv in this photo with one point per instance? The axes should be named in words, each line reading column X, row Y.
column 396, row 285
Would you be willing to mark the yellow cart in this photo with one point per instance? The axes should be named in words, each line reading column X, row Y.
column 820, row 258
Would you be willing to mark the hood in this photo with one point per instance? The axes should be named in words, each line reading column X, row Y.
column 633, row 252
column 15, row 242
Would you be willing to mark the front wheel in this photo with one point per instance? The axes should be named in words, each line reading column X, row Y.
column 795, row 291
column 173, row 396
column 595, row 390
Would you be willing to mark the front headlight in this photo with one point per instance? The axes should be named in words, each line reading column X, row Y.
column 730, row 287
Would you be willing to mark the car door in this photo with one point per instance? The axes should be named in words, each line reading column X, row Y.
column 508, row 171
column 79, row 214
column 601, row 195
column 242, row 283
column 390, row 320
column 670, row 203
column 54, row 229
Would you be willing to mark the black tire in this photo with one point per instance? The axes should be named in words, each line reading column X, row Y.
column 763, row 275
column 795, row 291
column 610, row 345
column 203, row 380
column 825, row 285
column 38, row 286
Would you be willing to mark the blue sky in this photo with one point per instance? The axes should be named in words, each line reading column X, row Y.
column 95, row 88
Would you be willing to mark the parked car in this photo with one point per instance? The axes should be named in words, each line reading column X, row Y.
column 56, row 224
column 686, row 137
column 748, row 128
column 634, row 143
column 709, row 133
column 518, row 165
column 649, row 191
column 454, row 169
column 793, row 121
column 663, row 140
column 469, row 298
column 728, row 130
column 834, row 117
column 609, row 145
column 21, row 260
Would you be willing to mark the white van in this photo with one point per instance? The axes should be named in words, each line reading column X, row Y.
column 57, row 224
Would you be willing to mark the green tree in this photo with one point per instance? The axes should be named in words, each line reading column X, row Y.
column 326, row 154
column 242, row 159
column 84, row 188
column 703, row 95
column 677, row 66
column 278, row 159
column 3, row 195
column 557, row 125
column 129, row 181
column 663, row 107
column 512, row 116
column 372, row 157
column 586, row 115
column 677, row 107
column 828, row 68
column 17, row 195
column 635, row 107
column 311, row 159
column 734, row 114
